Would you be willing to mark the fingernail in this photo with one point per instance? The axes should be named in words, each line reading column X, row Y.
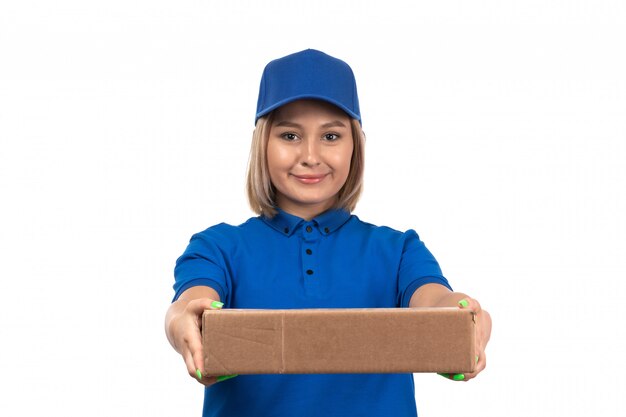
column 463, row 303
column 476, row 358
column 225, row 377
column 199, row 374
column 458, row 377
column 217, row 304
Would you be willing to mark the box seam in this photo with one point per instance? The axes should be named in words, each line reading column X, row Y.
column 282, row 344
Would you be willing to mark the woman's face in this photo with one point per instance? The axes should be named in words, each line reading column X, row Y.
column 308, row 154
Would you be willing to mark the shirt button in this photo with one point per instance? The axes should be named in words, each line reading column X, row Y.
column 326, row 229
column 286, row 230
column 309, row 251
column 309, row 229
column 309, row 272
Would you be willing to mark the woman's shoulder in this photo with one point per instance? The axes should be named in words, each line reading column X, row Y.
column 382, row 231
column 226, row 231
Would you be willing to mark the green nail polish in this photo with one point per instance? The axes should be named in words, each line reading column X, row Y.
column 458, row 377
column 217, row 304
column 444, row 375
column 199, row 374
column 476, row 358
column 463, row 303
column 225, row 377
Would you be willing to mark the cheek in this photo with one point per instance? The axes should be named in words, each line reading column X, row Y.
column 277, row 157
column 342, row 160
column 273, row 161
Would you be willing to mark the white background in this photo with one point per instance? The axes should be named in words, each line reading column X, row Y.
column 496, row 129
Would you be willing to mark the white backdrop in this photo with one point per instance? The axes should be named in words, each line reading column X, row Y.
column 496, row 129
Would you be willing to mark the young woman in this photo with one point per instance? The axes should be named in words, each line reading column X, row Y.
column 306, row 250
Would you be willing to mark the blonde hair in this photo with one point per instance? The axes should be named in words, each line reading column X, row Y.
column 259, row 187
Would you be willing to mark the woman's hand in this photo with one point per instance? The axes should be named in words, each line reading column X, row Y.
column 183, row 323
column 436, row 295
column 188, row 340
column 482, row 335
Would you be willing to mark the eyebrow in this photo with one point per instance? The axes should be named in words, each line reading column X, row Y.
column 335, row 123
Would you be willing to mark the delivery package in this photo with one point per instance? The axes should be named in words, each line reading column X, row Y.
column 369, row 340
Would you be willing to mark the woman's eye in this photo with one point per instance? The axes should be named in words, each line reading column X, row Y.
column 331, row 137
column 289, row 136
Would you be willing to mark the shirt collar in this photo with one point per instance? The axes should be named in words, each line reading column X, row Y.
column 331, row 220
column 327, row 222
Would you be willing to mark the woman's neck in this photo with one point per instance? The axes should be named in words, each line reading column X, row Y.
column 304, row 211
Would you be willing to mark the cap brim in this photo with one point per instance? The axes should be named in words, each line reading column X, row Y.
column 302, row 97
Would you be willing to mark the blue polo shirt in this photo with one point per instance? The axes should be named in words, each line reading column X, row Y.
column 333, row 261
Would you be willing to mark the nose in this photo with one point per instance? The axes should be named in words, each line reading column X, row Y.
column 310, row 153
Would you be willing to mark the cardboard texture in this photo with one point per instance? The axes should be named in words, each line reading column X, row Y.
column 379, row 340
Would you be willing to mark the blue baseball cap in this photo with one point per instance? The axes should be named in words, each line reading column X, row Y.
column 308, row 74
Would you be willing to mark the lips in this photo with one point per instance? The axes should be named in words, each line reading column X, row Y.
column 310, row 179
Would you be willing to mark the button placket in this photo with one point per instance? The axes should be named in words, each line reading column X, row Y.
column 311, row 236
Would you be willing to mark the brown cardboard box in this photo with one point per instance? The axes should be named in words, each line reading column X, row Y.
column 372, row 340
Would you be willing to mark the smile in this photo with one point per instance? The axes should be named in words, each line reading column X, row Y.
column 310, row 179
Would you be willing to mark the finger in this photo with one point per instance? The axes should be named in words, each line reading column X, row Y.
column 191, row 367
column 454, row 376
column 470, row 303
column 466, row 376
column 196, row 308
column 195, row 347
column 481, row 364
column 197, row 374
column 192, row 351
column 195, row 371
column 225, row 377
column 198, row 305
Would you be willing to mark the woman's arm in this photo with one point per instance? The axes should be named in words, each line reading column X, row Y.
column 436, row 295
column 182, row 327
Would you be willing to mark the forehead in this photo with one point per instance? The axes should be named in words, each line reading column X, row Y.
column 308, row 108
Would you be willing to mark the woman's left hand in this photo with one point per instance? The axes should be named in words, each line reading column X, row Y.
column 483, row 333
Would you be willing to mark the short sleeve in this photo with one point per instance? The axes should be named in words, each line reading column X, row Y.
column 417, row 267
column 202, row 263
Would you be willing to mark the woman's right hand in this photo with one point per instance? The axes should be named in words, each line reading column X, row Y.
column 183, row 328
